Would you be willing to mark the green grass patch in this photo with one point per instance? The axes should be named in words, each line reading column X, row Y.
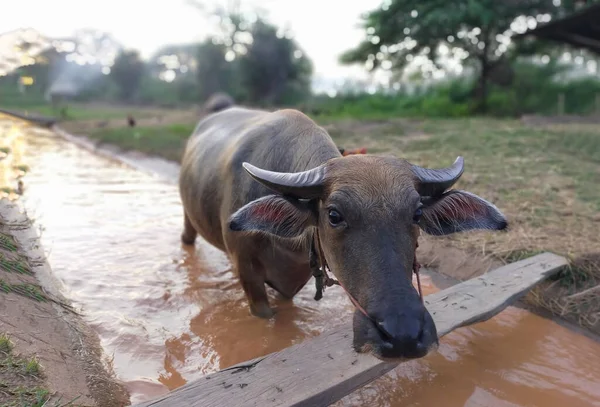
column 32, row 366
column 30, row 291
column 21, row 381
column 8, row 243
column 31, row 396
column 24, row 396
column 76, row 111
column 165, row 141
column 6, row 345
column 14, row 266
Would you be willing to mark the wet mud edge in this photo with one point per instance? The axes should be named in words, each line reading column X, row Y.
column 73, row 363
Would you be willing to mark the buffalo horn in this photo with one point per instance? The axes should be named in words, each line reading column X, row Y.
column 306, row 184
column 433, row 182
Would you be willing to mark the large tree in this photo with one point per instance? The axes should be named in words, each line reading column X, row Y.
column 479, row 30
column 274, row 70
column 127, row 73
column 214, row 72
column 250, row 58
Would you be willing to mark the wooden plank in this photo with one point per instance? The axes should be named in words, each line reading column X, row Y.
column 324, row 369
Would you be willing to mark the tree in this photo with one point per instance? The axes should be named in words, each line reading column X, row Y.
column 214, row 72
column 274, row 70
column 480, row 30
column 127, row 73
column 249, row 58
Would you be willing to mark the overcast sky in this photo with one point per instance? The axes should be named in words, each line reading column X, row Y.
column 323, row 28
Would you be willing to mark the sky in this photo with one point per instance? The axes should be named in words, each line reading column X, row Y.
column 323, row 28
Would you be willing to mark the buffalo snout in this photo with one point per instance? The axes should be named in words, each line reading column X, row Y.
column 405, row 331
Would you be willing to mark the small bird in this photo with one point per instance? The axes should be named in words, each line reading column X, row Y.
column 130, row 120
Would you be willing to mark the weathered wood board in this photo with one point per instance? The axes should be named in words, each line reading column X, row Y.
column 324, row 369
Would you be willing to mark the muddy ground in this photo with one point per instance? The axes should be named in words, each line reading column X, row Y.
column 48, row 356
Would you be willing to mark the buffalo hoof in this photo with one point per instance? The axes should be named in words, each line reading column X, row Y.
column 263, row 311
column 187, row 240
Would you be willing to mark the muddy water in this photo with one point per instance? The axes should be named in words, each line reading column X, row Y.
column 167, row 314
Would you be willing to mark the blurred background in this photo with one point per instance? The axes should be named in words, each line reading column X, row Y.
column 359, row 59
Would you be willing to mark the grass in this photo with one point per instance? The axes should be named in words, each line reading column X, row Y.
column 30, row 291
column 78, row 111
column 21, row 380
column 8, row 243
column 32, row 366
column 165, row 141
column 14, row 266
column 6, row 345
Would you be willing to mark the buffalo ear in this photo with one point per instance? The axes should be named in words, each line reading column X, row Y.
column 274, row 214
column 459, row 211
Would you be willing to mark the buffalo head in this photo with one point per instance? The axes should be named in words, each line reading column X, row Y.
column 368, row 211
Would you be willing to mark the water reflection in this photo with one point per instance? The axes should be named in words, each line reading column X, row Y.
column 168, row 314
column 516, row 359
column 12, row 166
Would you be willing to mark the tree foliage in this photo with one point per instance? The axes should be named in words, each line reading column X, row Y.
column 127, row 73
column 274, row 70
column 214, row 73
column 254, row 61
column 477, row 30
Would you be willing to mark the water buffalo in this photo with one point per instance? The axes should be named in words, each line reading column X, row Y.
column 259, row 185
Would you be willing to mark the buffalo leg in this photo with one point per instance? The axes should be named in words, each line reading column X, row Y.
column 189, row 233
column 252, row 277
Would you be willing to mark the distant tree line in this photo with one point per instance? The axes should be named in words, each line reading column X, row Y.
column 409, row 41
column 254, row 61
column 478, row 31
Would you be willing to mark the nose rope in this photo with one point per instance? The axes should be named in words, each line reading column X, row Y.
column 416, row 269
column 323, row 280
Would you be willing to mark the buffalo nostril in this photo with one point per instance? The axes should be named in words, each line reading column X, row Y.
column 404, row 332
column 381, row 326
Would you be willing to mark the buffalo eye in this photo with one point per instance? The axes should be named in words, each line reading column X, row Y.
column 417, row 216
column 334, row 217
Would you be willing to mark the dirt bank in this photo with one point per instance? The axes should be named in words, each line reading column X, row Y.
column 48, row 356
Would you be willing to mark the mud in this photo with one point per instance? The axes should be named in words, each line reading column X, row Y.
column 42, row 325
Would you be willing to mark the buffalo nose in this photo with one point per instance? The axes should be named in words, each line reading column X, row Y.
column 406, row 336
